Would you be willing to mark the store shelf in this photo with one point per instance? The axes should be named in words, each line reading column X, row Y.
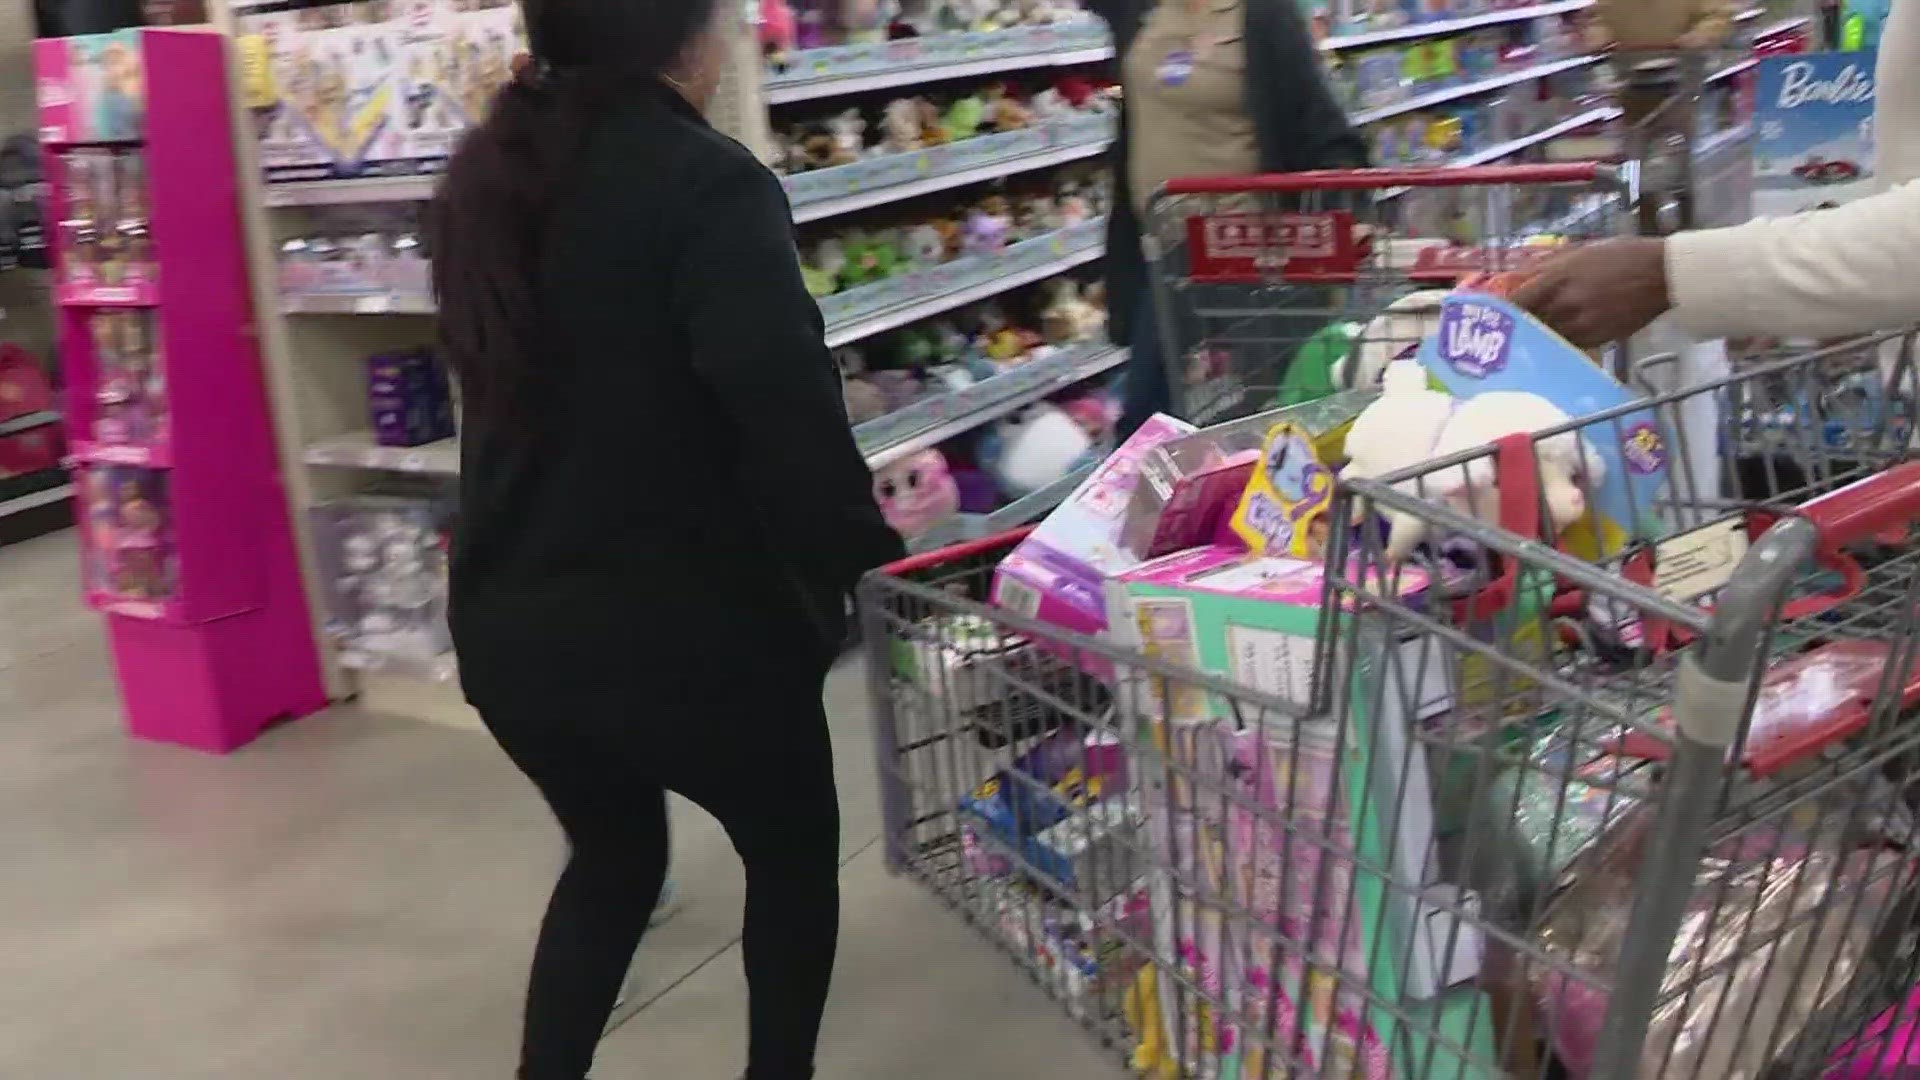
column 35, row 499
column 1016, row 513
column 1731, row 70
column 1514, row 146
column 818, row 209
column 911, row 297
column 378, row 189
column 357, row 450
column 1438, row 28
column 1056, row 378
column 1480, row 86
column 351, row 304
column 440, row 670
column 27, row 422
column 854, row 69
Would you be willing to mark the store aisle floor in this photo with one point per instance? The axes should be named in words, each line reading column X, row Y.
column 355, row 896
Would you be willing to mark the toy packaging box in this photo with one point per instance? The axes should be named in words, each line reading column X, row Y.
column 351, row 90
column 1188, row 487
column 1814, row 118
column 92, row 89
column 1253, row 620
column 1057, row 573
column 409, row 399
column 1485, row 343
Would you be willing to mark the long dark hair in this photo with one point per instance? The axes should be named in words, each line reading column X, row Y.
column 488, row 222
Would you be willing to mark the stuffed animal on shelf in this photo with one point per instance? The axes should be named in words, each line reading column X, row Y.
column 985, row 233
column 900, row 126
column 849, row 133
column 870, row 257
column 1067, row 316
column 1032, row 448
column 1096, row 410
column 916, row 493
column 829, row 265
column 1004, row 112
column 963, row 118
column 933, row 127
column 863, row 400
column 923, row 247
column 865, row 21
column 779, row 32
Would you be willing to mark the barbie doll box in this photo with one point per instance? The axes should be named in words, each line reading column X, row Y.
column 1058, row 572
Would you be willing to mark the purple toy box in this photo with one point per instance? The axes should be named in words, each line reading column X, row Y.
column 1058, row 573
column 408, row 398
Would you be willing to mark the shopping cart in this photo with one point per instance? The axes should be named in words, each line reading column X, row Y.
column 1264, row 286
column 1505, row 809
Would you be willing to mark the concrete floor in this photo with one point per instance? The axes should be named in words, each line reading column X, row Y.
column 355, row 897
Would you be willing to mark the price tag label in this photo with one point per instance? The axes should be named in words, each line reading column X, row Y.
column 372, row 305
column 413, row 462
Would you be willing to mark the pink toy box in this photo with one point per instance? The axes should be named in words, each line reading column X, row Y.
column 1058, row 572
column 1189, row 486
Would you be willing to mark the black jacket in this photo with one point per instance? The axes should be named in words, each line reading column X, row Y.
column 1297, row 123
column 687, row 485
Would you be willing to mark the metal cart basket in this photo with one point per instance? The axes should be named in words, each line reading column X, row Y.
column 1265, row 285
column 1528, row 803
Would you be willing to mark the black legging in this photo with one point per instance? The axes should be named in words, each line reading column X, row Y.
column 757, row 757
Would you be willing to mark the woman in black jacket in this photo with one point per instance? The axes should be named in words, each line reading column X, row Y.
column 1212, row 87
column 662, row 509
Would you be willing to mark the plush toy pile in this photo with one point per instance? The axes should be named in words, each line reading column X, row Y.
column 978, row 224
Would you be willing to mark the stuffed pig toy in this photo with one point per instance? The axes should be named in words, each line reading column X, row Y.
column 916, row 493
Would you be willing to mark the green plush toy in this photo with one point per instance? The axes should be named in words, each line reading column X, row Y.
column 964, row 117
column 1310, row 377
column 870, row 257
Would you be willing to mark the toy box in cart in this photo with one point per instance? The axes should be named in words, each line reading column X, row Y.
column 1631, row 875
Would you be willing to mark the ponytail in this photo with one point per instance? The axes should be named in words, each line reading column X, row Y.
column 486, row 230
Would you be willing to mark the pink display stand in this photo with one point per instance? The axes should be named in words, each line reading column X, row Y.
column 186, row 539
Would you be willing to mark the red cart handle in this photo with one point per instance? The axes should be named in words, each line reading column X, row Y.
column 1881, row 506
column 1584, row 172
column 927, row 560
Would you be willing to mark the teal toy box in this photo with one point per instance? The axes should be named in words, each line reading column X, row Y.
column 1366, row 792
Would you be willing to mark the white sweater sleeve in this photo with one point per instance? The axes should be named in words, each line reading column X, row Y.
column 1851, row 269
column 1854, row 269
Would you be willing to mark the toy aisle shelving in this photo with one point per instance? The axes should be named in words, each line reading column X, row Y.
column 327, row 323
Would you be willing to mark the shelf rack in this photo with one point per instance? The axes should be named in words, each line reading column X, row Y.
column 318, row 388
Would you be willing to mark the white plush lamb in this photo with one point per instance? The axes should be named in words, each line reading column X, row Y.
column 1411, row 424
column 1400, row 326
column 1568, row 465
column 1398, row 430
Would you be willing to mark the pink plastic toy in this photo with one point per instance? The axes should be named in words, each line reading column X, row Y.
column 1888, row 1050
column 916, row 493
column 188, row 527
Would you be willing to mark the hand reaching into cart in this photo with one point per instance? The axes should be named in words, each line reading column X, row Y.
column 1599, row 292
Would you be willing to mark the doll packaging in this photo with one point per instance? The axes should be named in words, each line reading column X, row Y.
column 1057, row 573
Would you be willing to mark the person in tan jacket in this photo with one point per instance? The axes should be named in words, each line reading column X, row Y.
column 1824, row 273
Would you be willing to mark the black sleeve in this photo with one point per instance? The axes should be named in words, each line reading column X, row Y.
column 758, row 342
column 1299, row 123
